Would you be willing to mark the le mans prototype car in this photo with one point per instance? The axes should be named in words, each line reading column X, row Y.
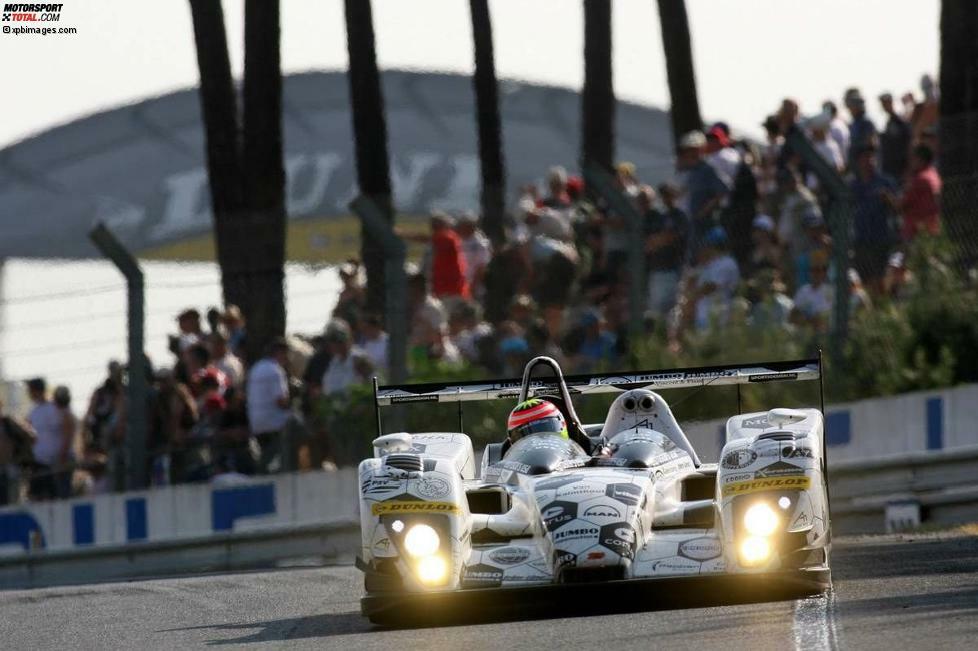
column 608, row 506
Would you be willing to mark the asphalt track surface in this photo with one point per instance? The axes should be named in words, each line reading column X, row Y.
column 890, row 593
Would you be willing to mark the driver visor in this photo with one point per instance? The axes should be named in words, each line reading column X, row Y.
column 549, row 425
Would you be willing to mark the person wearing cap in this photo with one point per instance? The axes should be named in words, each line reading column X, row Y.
column 873, row 218
column 268, row 402
column 894, row 140
column 721, row 154
column 818, row 128
column 716, row 280
column 557, row 197
column 862, row 132
column 703, row 188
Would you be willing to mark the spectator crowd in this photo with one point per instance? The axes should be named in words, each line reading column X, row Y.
column 739, row 235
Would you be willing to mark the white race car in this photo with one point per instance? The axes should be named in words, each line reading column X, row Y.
column 620, row 505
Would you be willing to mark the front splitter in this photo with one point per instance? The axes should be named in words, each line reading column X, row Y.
column 569, row 599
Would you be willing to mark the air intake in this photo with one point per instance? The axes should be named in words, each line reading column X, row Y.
column 776, row 436
column 408, row 462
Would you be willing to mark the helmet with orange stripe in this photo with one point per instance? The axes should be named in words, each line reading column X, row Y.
column 535, row 416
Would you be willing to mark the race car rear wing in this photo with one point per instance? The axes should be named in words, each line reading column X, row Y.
column 658, row 380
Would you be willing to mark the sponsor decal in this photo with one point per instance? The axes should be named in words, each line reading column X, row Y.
column 383, row 544
column 425, row 398
column 601, row 511
column 701, row 549
column 737, row 459
column 595, row 556
column 557, row 482
column 432, row 487
column 574, row 534
column 779, row 469
column 379, row 485
column 418, row 448
column 771, row 483
column 772, row 377
column 515, row 466
column 677, row 564
column 385, row 508
column 801, row 520
column 430, row 438
column 482, row 574
column 757, row 422
column 557, row 514
column 620, row 538
column 797, row 453
column 740, row 476
column 625, row 493
column 586, row 488
column 509, row 555
column 563, row 559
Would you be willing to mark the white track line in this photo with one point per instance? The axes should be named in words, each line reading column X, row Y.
column 815, row 626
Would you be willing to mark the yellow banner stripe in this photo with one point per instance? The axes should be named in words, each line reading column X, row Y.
column 385, row 508
column 767, row 484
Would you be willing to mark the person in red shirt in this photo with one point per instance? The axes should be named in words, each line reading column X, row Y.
column 447, row 261
column 921, row 202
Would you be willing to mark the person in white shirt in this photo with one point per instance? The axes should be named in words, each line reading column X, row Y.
column 348, row 364
column 268, row 402
column 814, row 301
column 717, row 280
column 52, row 447
column 226, row 361
column 722, row 156
column 374, row 342
column 476, row 250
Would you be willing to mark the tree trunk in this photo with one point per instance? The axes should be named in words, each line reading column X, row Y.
column 220, row 116
column 370, row 137
column 489, row 124
column 958, row 127
column 264, row 177
column 685, row 109
column 598, row 95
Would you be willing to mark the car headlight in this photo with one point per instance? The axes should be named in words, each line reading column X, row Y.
column 754, row 550
column 421, row 540
column 761, row 520
column 432, row 570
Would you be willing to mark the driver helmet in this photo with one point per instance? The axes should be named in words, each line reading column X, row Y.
column 535, row 416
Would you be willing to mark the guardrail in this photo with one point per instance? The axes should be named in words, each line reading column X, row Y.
column 903, row 491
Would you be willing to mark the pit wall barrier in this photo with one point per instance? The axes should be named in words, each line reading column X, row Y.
column 924, row 421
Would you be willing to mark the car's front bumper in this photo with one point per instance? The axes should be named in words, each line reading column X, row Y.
column 418, row 609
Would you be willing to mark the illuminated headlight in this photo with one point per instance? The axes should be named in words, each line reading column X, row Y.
column 420, row 541
column 432, row 570
column 761, row 520
column 754, row 550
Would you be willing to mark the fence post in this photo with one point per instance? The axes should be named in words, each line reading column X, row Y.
column 839, row 215
column 602, row 183
column 137, row 388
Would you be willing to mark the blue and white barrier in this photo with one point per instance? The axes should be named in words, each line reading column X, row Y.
column 175, row 512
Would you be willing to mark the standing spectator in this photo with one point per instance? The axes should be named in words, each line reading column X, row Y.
column 766, row 250
column 51, row 447
column 814, row 300
column 925, row 114
column 102, row 428
column 67, row 455
column 374, row 341
column 721, row 155
column 447, row 263
column 597, row 346
column 225, row 360
column 348, row 364
column 703, row 188
column 826, row 146
column 666, row 237
column 476, row 251
column 16, row 455
column 770, row 306
column 557, row 197
column 716, row 282
column 268, row 402
column 799, row 205
column 921, row 200
column 838, row 129
column 894, row 140
column 234, row 323
column 862, row 133
column 353, row 296
column 188, row 322
column 873, row 219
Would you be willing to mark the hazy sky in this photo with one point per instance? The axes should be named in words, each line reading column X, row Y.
column 748, row 53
